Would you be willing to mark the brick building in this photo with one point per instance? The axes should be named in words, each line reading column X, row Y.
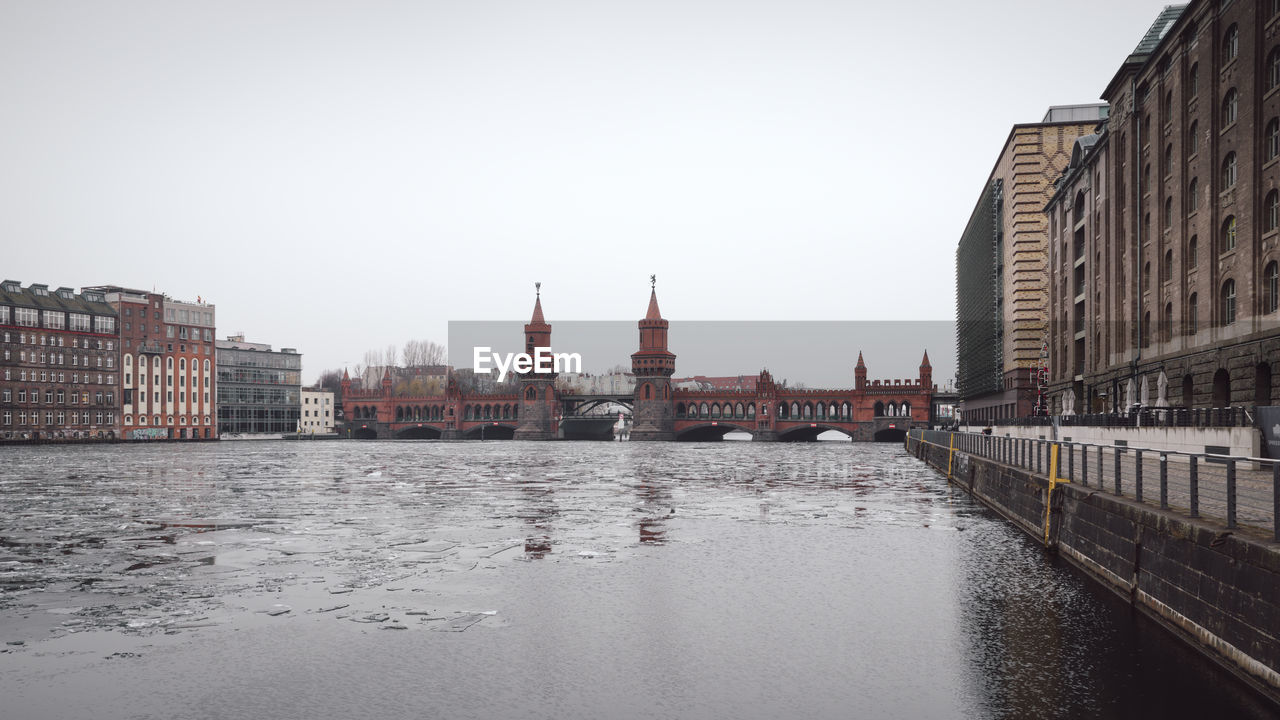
column 60, row 364
column 1165, row 226
column 1002, row 289
column 167, row 384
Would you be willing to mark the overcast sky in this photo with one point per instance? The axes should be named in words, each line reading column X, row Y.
column 338, row 176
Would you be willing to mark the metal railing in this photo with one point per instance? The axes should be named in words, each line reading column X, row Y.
column 1231, row 489
column 1144, row 417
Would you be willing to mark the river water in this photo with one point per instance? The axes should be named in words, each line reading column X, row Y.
column 550, row 580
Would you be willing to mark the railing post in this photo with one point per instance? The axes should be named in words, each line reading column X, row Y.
column 1164, row 481
column 1195, row 486
column 1137, row 474
column 1231, row 493
column 1275, row 496
column 1084, row 465
column 1038, row 443
column 1118, row 486
column 1071, row 462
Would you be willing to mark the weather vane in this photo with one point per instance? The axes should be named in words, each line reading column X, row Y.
column 537, row 286
column 653, row 282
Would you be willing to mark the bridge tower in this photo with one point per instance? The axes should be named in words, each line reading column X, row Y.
column 860, row 374
column 926, row 374
column 538, row 402
column 653, row 416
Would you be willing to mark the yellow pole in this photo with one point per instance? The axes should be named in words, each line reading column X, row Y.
column 951, row 454
column 1053, row 480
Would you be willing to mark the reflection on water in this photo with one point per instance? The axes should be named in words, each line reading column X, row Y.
column 507, row 579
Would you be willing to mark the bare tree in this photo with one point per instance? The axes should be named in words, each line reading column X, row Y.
column 422, row 353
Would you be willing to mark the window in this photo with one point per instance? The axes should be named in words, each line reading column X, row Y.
column 1229, row 234
column 1168, row 266
column 27, row 317
column 54, row 319
column 1230, row 102
column 1230, row 44
column 1166, row 332
column 1273, row 139
column 1193, row 81
column 1168, row 160
column 1271, row 288
column 79, row 322
column 1272, row 206
column 1273, row 68
column 1146, row 276
column 1167, row 109
column 1193, row 196
column 1168, row 213
column 1228, row 302
column 104, row 324
column 1229, row 171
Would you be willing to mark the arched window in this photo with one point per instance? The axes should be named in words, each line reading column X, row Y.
column 1146, row 276
column 1193, row 196
column 680, row 410
column 795, row 410
column 879, row 408
column 905, row 409
column 1167, row 109
column 891, row 409
column 1168, row 213
column 844, row 411
column 1230, row 103
column 1168, row 266
column 820, row 411
column 1193, row 138
column 1230, row 44
column 1193, row 81
column 1272, row 215
column 1146, row 329
column 466, row 411
column 1191, row 252
column 715, row 410
column 1228, row 302
column 531, row 394
column 739, row 411
column 1229, row 233
column 1270, row 288
column 1229, row 171
column 751, row 411
column 1191, row 315
column 182, row 364
column 648, row 391
column 704, row 411
column 1168, row 160
column 1221, row 388
column 1166, row 332
column 1273, row 139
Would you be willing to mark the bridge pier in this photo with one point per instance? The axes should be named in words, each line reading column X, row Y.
column 765, row 436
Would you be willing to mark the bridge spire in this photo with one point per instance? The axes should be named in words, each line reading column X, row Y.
column 653, row 364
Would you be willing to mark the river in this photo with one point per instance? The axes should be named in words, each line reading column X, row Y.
column 551, row 580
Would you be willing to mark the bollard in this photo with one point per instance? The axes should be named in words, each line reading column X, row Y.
column 1084, row 465
column 1164, row 481
column 1195, row 487
column 1137, row 475
column 1231, row 494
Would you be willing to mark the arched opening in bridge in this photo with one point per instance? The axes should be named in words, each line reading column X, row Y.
column 814, row 434
column 709, row 433
column 879, row 408
column 365, row 434
column 895, row 435
column 419, row 433
column 490, row 432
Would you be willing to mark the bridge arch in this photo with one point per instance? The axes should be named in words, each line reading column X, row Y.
column 424, row 432
column 810, row 433
column 706, row 432
column 364, row 433
column 490, row 431
column 894, row 435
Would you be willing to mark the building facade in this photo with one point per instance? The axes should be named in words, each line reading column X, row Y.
column 167, row 384
column 1166, row 224
column 259, row 390
column 60, row 362
column 1002, row 288
column 317, row 412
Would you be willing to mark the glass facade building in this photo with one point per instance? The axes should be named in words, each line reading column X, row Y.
column 259, row 389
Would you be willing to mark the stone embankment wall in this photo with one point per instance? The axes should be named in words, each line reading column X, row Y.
column 1217, row 589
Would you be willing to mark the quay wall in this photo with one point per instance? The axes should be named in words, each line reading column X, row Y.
column 1219, row 590
column 1238, row 441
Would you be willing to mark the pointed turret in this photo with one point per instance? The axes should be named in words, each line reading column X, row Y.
column 537, row 332
column 926, row 373
column 537, row 419
column 860, row 373
column 653, row 366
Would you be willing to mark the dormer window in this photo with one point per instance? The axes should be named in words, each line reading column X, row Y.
column 40, row 290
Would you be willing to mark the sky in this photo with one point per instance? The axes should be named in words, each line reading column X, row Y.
column 341, row 176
